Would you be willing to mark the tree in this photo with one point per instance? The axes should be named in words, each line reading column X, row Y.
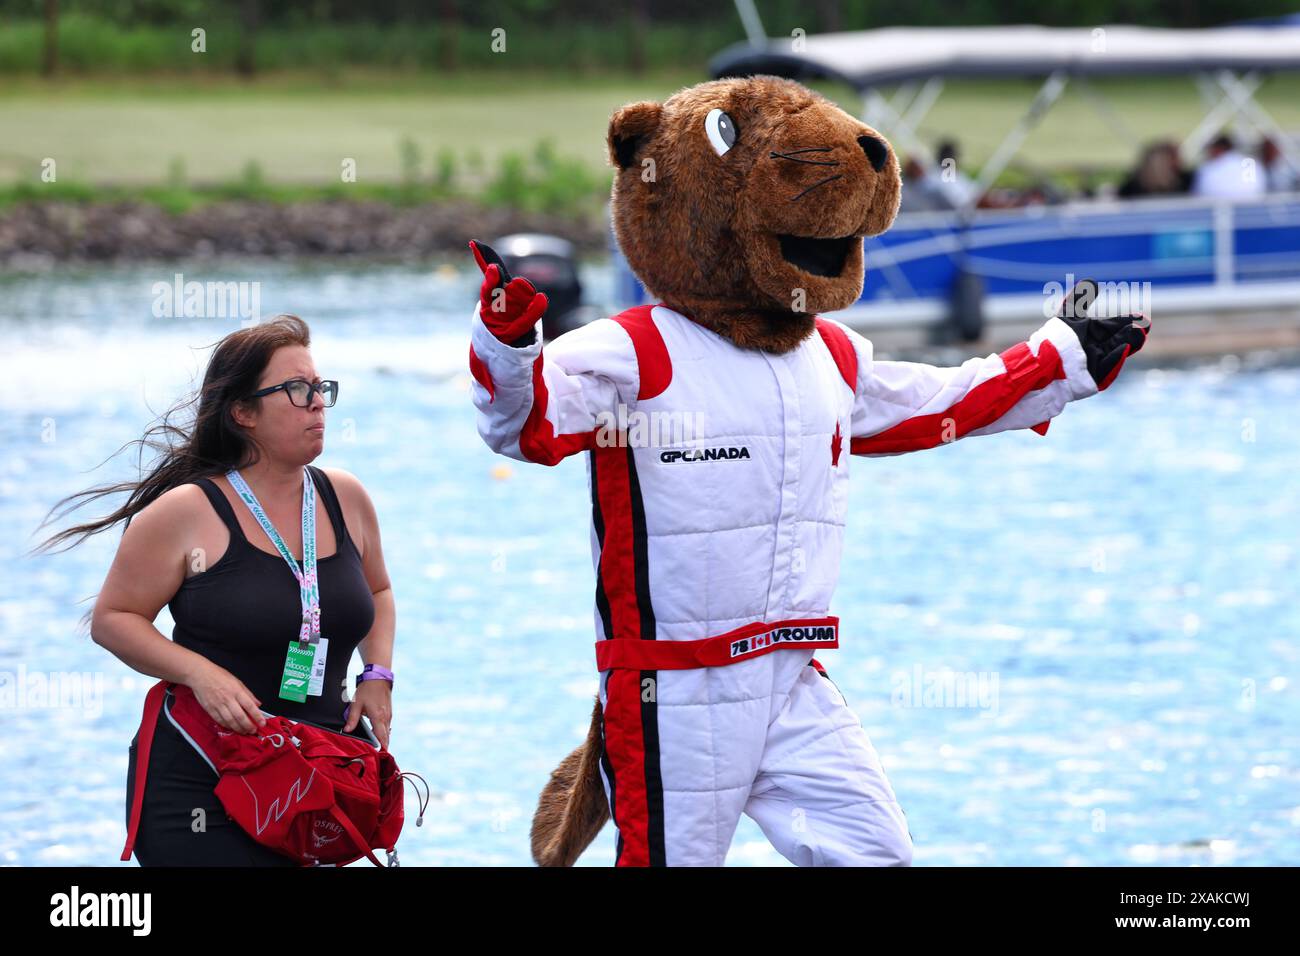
column 448, row 34
column 50, row 63
column 245, row 59
column 639, row 22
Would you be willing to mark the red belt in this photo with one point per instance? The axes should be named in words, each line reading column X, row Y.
column 752, row 640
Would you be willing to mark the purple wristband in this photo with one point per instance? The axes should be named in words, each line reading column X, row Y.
column 374, row 672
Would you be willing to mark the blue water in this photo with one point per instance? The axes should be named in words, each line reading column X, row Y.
column 1122, row 593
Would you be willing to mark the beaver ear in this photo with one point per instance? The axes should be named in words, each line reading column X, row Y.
column 628, row 127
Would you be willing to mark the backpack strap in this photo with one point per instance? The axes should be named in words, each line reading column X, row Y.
column 144, row 743
column 349, row 827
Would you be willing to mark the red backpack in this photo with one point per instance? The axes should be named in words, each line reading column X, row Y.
column 318, row 796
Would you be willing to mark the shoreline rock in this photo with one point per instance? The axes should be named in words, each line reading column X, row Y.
column 36, row 233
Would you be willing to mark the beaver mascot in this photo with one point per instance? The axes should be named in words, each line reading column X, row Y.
column 741, row 205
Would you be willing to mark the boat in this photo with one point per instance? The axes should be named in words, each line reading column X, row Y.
column 969, row 274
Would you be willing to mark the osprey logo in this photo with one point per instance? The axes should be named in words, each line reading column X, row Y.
column 333, row 832
column 704, row 454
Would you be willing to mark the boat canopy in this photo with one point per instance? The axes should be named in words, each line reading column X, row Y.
column 1228, row 64
column 869, row 58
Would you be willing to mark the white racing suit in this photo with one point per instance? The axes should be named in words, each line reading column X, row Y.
column 716, row 537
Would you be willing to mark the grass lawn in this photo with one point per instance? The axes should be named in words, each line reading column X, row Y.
column 299, row 128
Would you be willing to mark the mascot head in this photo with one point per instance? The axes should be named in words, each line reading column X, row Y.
column 742, row 203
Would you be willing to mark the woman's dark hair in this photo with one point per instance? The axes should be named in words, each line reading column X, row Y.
column 196, row 438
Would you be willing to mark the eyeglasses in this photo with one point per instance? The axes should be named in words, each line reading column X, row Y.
column 300, row 391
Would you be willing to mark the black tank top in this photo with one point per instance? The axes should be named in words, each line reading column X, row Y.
column 243, row 610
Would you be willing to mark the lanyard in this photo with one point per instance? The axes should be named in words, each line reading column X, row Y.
column 308, row 587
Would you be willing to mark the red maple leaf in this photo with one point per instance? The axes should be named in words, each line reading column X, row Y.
column 836, row 444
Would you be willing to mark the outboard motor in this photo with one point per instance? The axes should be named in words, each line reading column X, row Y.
column 966, row 307
column 547, row 262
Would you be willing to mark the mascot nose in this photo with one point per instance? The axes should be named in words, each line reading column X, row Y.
column 876, row 150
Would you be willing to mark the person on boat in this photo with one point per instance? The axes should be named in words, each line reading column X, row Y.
column 956, row 185
column 1227, row 173
column 1159, row 172
column 208, row 532
column 920, row 192
column 1279, row 175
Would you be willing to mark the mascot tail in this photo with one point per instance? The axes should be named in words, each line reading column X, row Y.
column 573, row 807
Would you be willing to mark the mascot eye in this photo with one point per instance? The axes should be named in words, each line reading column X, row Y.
column 721, row 130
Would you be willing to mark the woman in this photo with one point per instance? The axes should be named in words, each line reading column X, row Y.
column 1159, row 172
column 193, row 543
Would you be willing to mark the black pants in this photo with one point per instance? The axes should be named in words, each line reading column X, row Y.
column 171, row 833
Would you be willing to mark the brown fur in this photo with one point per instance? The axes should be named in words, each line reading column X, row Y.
column 700, row 231
column 572, row 808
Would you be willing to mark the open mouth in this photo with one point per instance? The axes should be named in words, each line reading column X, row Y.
column 820, row 257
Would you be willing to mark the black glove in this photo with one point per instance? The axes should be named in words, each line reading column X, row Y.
column 1106, row 342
